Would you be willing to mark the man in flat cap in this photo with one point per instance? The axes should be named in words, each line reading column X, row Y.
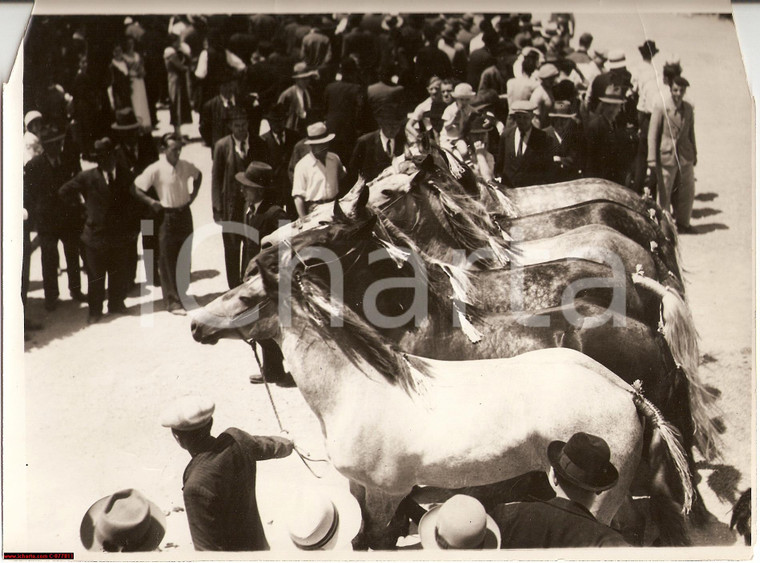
column 524, row 157
column 219, row 483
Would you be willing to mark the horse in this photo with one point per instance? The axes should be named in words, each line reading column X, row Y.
column 392, row 421
column 628, row 348
column 422, row 220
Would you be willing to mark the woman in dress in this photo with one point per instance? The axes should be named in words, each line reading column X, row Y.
column 121, row 90
column 137, row 79
column 177, row 61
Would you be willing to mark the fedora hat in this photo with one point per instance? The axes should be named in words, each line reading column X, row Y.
column 31, row 116
column 125, row 120
column 236, row 113
column 584, row 461
column 562, row 108
column 616, row 59
column 102, row 147
column 188, row 413
column 316, row 134
column 483, row 123
column 522, row 106
column 327, row 518
column 50, row 133
column 648, row 48
column 277, row 112
column 459, row 523
column 463, row 90
column 612, row 95
column 301, row 70
column 257, row 175
column 124, row 521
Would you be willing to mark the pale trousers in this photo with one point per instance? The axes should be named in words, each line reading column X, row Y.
column 676, row 188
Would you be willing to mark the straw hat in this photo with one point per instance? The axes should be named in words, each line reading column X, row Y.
column 301, row 70
column 522, row 106
column 459, row 523
column 462, row 91
column 188, row 413
column 616, row 59
column 31, row 116
column 124, row 521
column 316, row 134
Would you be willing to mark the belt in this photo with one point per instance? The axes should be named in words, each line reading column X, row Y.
column 176, row 209
column 318, row 201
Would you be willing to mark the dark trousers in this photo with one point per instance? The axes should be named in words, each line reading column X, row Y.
column 25, row 264
column 151, row 253
column 271, row 360
column 111, row 261
column 51, row 261
column 232, row 247
column 640, row 180
column 176, row 226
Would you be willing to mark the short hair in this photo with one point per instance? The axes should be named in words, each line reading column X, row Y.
column 168, row 138
column 449, row 82
column 680, row 81
column 196, row 433
column 430, row 33
column 585, row 40
column 670, row 71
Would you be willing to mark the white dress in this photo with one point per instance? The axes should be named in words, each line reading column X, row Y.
column 139, row 94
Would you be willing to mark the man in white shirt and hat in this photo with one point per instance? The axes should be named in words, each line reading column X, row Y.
column 542, row 97
column 456, row 116
column 32, row 145
column 317, row 176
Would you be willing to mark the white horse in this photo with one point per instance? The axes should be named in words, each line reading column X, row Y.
column 392, row 421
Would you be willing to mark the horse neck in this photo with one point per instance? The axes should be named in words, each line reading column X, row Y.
column 325, row 376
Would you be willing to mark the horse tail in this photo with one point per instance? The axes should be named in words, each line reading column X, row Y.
column 669, row 477
column 741, row 516
column 680, row 333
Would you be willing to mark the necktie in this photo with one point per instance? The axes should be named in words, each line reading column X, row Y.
column 243, row 149
column 110, row 178
column 520, row 148
column 389, row 148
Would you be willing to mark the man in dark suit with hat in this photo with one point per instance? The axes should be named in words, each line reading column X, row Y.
column 580, row 470
column 279, row 142
column 603, row 143
column 232, row 154
column 54, row 219
column 524, row 156
column 375, row 151
column 134, row 151
column 107, row 234
column 219, row 483
column 214, row 123
column 263, row 215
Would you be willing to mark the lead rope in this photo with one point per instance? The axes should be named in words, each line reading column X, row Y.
column 303, row 457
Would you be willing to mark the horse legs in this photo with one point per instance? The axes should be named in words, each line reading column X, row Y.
column 380, row 530
column 626, row 462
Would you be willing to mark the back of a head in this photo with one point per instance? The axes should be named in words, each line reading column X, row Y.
column 585, row 40
column 430, row 33
column 490, row 40
column 670, row 71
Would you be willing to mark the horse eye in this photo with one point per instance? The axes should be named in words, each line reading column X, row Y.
column 324, row 223
column 387, row 193
column 266, row 245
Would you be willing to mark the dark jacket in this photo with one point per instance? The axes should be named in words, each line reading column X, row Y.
column 266, row 220
column 213, row 121
column 277, row 155
column 604, row 150
column 532, row 168
column 219, row 489
column 344, row 108
column 226, row 197
column 110, row 221
column 370, row 158
column 555, row 523
column 48, row 213
column 567, row 143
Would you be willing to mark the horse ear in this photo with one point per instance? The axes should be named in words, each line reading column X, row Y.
column 428, row 165
column 338, row 213
column 360, row 207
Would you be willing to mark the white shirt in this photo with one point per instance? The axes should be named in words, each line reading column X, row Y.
column 453, row 122
column 32, row 146
column 171, row 182
column 314, row 181
column 239, row 146
column 519, row 139
column 424, row 106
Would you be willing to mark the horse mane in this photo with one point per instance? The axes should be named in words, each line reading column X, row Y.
column 357, row 339
column 471, row 223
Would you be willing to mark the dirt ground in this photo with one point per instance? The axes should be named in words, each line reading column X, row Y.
column 93, row 394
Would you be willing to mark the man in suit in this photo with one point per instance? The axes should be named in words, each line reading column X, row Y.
column 375, row 151
column 524, row 157
column 279, row 143
column 265, row 217
column 232, row 154
column 385, row 96
column 108, row 233
column 580, row 469
column 673, row 152
column 219, row 483
column 297, row 98
column 214, row 113
column 134, row 151
column 603, row 143
column 54, row 219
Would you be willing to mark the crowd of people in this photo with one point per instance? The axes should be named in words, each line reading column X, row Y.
column 323, row 101
column 294, row 110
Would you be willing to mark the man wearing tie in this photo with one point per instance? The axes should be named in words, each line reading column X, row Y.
column 214, row 114
column 279, row 142
column 262, row 215
column 297, row 98
column 375, row 151
column 107, row 233
column 232, row 154
column 524, row 157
